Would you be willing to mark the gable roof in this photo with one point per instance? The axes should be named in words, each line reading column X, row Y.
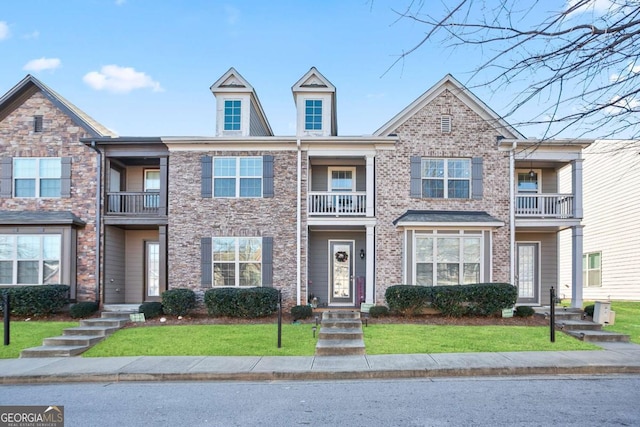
column 448, row 82
column 233, row 82
column 314, row 82
column 29, row 85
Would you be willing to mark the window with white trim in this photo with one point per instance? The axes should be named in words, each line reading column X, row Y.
column 313, row 114
column 37, row 176
column 29, row 259
column 232, row 114
column 447, row 258
column 237, row 261
column 446, row 178
column 592, row 269
column 237, row 176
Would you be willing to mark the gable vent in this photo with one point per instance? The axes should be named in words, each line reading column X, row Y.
column 37, row 123
column 445, row 124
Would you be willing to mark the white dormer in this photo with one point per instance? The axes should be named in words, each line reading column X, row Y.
column 315, row 99
column 238, row 110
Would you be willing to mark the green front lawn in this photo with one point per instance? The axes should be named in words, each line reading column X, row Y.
column 627, row 319
column 29, row 334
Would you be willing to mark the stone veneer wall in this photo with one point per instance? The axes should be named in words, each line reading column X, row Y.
column 60, row 138
column 192, row 217
column 470, row 137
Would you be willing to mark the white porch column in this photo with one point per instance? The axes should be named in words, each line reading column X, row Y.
column 370, row 186
column 371, row 257
column 576, row 184
column 576, row 266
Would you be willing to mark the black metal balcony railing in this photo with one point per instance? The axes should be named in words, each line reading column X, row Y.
column 337, row 203
column 545, row 205
column 134, row 202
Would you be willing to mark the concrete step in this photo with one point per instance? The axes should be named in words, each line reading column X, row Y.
column 340, row 333
column 342, row 314
column 598, row 336
column 340, row 347
column 53, row 351
column 561, row 313
column 578, row 325
column 110, row 322
column 116, row 314
column 342, row 324
column 101, row 331
column 72, row 340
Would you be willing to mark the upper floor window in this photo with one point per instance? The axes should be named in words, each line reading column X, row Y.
column 37, row 177
column 237, row 261
column 446, row 178
column 592, row 269
column 342, row 179
column 29, row 259
column 313, row 114
column 237, row 177
column 152, row 187
column 232, row 114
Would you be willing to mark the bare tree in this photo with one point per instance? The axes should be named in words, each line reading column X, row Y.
column 578, row 64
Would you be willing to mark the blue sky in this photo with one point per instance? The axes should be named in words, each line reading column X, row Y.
column 144, row 67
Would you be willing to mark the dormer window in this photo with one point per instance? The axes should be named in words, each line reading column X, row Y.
column 232, row 114
column 313, row 114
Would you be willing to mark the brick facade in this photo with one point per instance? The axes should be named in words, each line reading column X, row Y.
column 60, row 138
column 420, row 135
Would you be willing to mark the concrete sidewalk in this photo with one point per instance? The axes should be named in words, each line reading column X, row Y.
column 614, row 358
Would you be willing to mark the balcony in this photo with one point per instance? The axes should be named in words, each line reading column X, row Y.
column 338, row 203
column 134, row 203
column 545, row 205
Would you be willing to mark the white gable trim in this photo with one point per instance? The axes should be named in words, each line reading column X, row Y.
column 448, row 82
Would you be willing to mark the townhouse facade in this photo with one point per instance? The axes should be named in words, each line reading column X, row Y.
column 444, row 193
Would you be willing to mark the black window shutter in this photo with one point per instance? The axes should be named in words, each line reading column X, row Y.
column 65, row 177
column 205, row 262
column 267, row 176
column 416, row 177
column 476, row 178
column 6, row 176
column 207, row 182
column 267, row 262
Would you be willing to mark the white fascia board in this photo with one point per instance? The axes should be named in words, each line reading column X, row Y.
column 456, row 225
column 340, row 221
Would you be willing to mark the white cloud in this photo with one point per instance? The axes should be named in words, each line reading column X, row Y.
column 32, row 35
column 620, row 105
column 4, row 30
column 632, row 68
column 120, row 2
column 114, row 78
column 600, row 6
column 42, row 64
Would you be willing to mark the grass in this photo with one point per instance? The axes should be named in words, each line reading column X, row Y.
column 30, row 334
column 410, row 339
column 208, row 340
column 627, row 319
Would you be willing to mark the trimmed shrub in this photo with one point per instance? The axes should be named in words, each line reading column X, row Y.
column 378, row 311
column 83, row 309
column 524, row 311
column 588, row 309
column 40, row 300
column 150, row 309
column 301, row 312
column 178, row 302
column 241, row 302
column 482, row 299
column 408, row 300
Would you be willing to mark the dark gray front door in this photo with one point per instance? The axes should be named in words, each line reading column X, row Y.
column 341, row 272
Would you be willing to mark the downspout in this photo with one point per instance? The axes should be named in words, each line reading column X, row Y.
column 512, row 211
column 98, row 220
column 298, row 223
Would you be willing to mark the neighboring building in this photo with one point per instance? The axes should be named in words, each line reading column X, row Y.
column 444, row 193
column 47, row 191
column 611, row 270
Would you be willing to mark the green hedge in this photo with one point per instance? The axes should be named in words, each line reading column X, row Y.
column 301, row 312
column 40, row 300
column 482, row 299
column 378, row 311
column 83, row 309
column 241, row 302
column 150, row 309
column 178, row 302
